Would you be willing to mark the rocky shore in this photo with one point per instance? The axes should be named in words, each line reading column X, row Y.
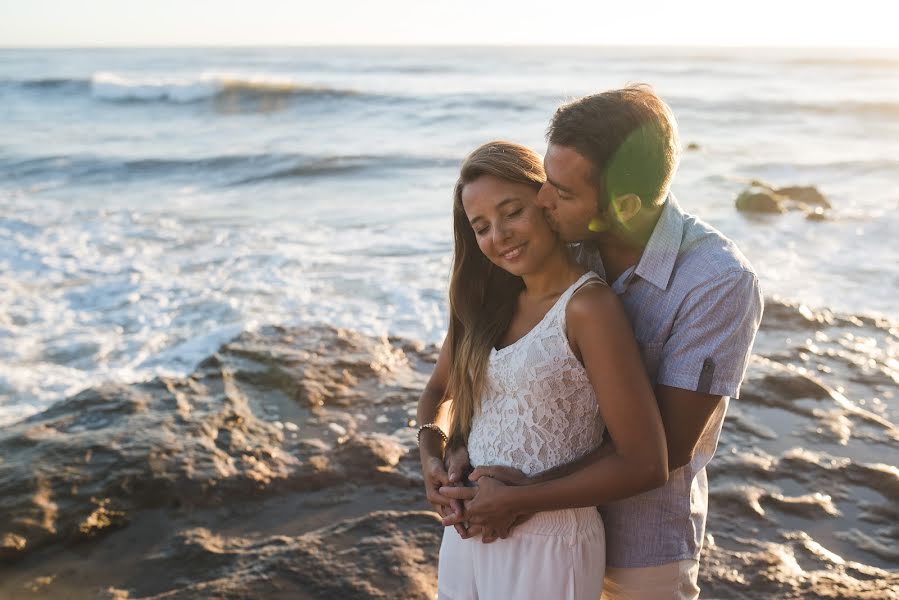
column 762, row 198
column 284, row 467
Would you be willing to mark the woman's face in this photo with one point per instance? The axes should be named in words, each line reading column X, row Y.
column 510, row 228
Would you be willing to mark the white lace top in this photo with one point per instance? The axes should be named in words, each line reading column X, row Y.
column 538, row 408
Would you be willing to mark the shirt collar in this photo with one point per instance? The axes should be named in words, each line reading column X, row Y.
column 657, row 261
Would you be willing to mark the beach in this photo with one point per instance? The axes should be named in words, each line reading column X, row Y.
column 224, row 279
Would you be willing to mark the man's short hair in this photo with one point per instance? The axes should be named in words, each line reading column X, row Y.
column 630, row 137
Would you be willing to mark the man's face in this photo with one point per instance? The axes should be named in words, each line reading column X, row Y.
column 568, row 197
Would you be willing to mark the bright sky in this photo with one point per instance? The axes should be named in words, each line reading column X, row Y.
column 805, row 23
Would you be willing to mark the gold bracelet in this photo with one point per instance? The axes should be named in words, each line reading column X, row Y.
column 432, row 427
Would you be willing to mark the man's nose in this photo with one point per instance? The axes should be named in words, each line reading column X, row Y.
column 545, row 197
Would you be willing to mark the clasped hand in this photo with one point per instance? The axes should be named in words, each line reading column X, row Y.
column 485, row 504
column 471, row 501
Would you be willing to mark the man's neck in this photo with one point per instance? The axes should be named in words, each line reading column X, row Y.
column 622, row 248
column 617, row 257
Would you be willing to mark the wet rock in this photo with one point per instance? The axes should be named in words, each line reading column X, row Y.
column 806, row 194
column 692, row 146
column 84, row 464
column 82, row 467
column 760, row 200
column 195, row 483
column 386, row 554
column 321, row 366
column 792, row 567
column 763, row 198
column 785, row 316
column 790, row 386
column 375, row 453
column 817, row 214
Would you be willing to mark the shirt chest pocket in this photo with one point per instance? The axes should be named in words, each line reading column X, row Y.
column 651, row 353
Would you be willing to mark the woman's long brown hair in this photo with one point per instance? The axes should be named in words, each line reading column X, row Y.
column 482, row 296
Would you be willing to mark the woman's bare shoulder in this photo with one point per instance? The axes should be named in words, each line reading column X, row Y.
column 595, row 311
column 594, row 300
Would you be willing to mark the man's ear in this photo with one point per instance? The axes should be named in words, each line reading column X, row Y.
column 626, row 207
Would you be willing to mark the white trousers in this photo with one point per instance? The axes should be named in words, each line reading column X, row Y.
column 557, row 555
column 672, row 581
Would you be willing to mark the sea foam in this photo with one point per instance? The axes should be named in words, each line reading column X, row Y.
column 118, row 88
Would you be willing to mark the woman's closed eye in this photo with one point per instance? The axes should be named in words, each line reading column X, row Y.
column 479, row 231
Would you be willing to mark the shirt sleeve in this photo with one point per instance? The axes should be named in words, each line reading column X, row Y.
column 712, row 336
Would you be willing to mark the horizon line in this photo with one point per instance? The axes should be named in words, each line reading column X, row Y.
column 436, row 45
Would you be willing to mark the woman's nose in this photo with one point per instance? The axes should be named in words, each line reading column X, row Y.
column 500, row 232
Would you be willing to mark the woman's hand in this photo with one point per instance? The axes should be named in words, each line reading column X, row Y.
column 435, row 477
column 487, row 507
column 457, row 462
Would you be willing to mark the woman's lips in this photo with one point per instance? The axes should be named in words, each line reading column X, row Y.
column 513, row 253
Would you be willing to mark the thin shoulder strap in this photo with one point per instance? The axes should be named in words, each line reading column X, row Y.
column 587, row 279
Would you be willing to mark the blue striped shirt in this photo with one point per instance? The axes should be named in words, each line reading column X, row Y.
column 695, row 305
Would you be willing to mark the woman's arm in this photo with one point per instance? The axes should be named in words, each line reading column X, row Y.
column 432, row 409
column 601, row 335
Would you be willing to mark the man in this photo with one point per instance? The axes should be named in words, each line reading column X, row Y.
column 694, row 304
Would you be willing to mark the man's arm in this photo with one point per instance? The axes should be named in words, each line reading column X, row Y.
column 685, row 415
column 512, row 476
column 705, row 357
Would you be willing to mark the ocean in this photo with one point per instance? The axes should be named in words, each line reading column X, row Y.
column 156, row 203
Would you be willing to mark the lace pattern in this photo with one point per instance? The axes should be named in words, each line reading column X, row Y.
column 538, row 409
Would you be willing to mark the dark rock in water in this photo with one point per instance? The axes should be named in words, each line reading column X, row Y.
column 693, row 146
column 779, row 388
column 760, row 200
column 785, row 316
column 817, row 214
column 807, row 194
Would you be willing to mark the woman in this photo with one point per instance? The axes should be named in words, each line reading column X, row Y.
column 538, row 361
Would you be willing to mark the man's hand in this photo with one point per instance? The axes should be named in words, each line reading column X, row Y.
column 486, row 506
column 507, row 475
column 498, row 531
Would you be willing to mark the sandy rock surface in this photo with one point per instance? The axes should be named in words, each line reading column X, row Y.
column 282, row 468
